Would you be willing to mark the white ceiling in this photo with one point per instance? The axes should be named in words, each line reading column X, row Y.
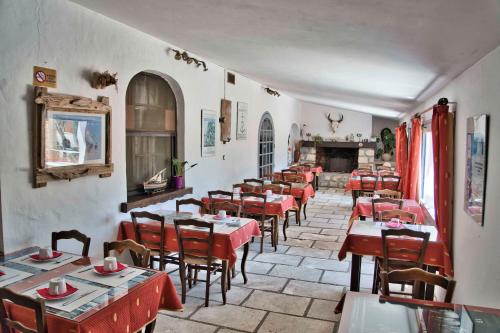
column 376, row 56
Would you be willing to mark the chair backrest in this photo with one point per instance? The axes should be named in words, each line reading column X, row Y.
column 254, row 180
column 286, row 173
column 225, row 194
column 293, row 178
column 195, row 243
column 389, row 194
column 231, row 208
column 306, row 166
column 275, row 188
column 417, row 275
column 255, row 209
column 402, row 215
column 390, row 182
column 38, row 306
column 411, row 253
column 139, row 253
column 287, row 186
column 383, row 167
column 151, row 238
column 395, row 203
column 368, row 182
column 72, row 234
column 190, row 201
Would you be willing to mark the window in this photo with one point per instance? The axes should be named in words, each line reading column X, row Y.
column 150, row 129
column 266, row 145
column 427, row 172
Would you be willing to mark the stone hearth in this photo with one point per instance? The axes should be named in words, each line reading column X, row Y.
column 366, row 152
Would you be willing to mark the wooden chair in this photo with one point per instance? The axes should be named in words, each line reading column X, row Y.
column 415, row 256
column 139, row 253
column 38, row 306
column 247, row 187
column 257, row 211
column 390, row 182
column 404, row 216
column 226, row 194
column 190, row 201
column 195, row 252
column 275, row 188
column 72, row 234
column 254, row 180
column 287, row 186
column 153, row 239
column 375, row 213
column 389, row 194
column 368, row 185
column 384, row 168
column 293, row 178
column 286, row 173
column 418, row 276
column 231, row 208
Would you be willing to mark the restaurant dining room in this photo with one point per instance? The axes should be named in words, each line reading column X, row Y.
column 229, row 166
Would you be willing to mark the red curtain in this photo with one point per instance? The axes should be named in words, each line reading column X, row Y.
column 443, row 124
column 412, row 172
column 401, row 153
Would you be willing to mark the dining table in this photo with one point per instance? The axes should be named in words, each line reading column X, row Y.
column 353, row 185
column 229, row 235
column 364, row 238
column 306, row 176
column 365, row 312
column 364, row 208
column 124, row 302
column 316, row 171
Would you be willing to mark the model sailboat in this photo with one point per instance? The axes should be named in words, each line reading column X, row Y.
column 157, row 183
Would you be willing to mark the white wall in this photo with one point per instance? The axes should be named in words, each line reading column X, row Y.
column 313, row 115
column 378, row 124
column 74, row 40
column 476, row 249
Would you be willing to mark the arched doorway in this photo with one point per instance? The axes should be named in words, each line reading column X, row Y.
column 293, row 139
column 266, row 145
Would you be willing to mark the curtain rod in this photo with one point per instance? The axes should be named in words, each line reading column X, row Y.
column 442, row 101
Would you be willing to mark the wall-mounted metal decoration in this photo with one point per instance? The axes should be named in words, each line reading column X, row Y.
column 189, row 60
column 103, row 80
column 272, row 92
column 71, row 137
column 334, row 124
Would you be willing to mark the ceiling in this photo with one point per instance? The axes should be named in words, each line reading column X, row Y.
column 378, row 56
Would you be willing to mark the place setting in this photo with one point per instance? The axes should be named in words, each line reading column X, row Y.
column 10, row 275
column 46, row 258
column 222, row 219
column 64, row 294
column 109, row 272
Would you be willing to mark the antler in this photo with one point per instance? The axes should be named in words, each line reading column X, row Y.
column 341, row 118
column 329, row 118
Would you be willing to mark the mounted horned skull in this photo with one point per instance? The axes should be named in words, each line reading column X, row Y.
column 334, row 124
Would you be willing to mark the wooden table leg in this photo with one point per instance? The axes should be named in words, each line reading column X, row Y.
column 285, row 224
column 150, row 327
column 246, row 246
column 429, row 289
column 354, row 194
column 355, row 271
column 223, row 281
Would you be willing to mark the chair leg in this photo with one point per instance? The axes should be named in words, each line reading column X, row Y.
column 262, row 239
column 297, row 217
column 229, row 278
column 233, row 271
column 195, row 274
column 285, row 225
column 190, row 276
column 223, row 280
column 207, row 286
column 376, row 272
column 304, row 210
column 182, row 273
column 275, row 232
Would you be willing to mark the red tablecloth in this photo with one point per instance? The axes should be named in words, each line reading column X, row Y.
column 299, row 190
column 277, row 207
column 128, row 313
column 307, row 176
column 436, row 254
column 224, row 244
column 364, row 208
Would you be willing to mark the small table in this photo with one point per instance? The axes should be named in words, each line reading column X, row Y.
column 227, row 239
column 316, row 170
column 307, row 176
column 364, row 208
column 125, row 307
column 379, row 314
column 354, row 185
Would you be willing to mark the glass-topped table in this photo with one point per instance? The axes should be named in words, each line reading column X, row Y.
column 379, row 314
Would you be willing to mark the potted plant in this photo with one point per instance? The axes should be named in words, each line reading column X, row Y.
column 178, row 177
column 389, row 143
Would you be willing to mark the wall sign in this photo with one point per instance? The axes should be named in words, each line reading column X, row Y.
column 208, row 129
column 44, row 77
column 241, row 122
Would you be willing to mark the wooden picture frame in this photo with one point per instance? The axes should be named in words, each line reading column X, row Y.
column 225, row 120
column 71, row 137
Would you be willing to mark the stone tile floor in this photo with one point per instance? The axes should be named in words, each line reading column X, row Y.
column 294, row 289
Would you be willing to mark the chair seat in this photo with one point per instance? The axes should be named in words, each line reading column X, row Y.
column 193, row 260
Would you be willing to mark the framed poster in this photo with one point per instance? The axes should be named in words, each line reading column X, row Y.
column 208, row 129
column 476, row 166
column 241, row 121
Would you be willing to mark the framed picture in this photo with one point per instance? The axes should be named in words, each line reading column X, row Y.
column 71, row 137
column 476, row 166
column 208, row 129
column 241, row 121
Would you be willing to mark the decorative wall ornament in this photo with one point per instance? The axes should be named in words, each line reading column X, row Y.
column 71, row 137
column 272, row 92
column 208, row 130
column 103, row 80
column 189, row 60
column 225, row 120
column 476, row 156
column 241, row 121
column 334, row 124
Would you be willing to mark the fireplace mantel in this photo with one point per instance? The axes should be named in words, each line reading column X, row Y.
column 335, row 144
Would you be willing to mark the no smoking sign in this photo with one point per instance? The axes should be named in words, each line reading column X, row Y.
column 44, row 77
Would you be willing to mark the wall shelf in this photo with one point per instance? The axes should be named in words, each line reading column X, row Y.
column 142, row 200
